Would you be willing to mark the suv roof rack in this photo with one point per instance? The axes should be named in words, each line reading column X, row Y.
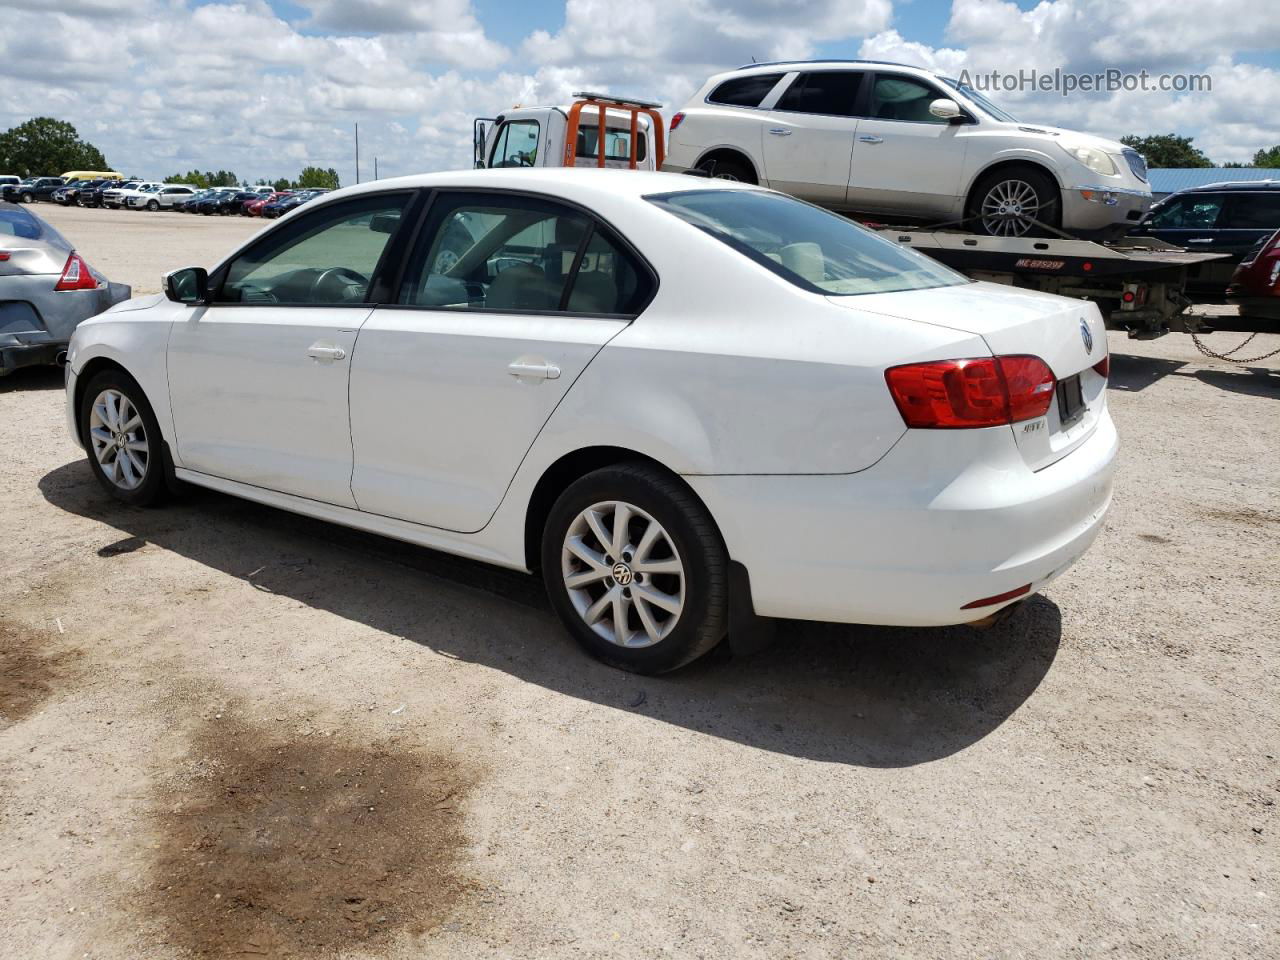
column 783, row 63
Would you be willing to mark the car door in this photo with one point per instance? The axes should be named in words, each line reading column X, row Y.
column 809, row 136
column 1189, row 220
column 906, row 161
column 505, row 301
column 258, row 377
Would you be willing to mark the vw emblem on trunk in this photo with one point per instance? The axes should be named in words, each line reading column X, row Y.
column 1086, row 336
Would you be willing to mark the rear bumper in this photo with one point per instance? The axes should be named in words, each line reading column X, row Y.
column 39, row 320
column 906, row 542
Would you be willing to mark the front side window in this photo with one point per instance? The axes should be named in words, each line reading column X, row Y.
column 744, row 91
column 811, row 247
column 329, row 257
column 517, row 144
column 896, row 97
column 515, row 254
column 1190, row 212
column 832, row 93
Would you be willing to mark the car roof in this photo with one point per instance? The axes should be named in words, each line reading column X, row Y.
column 1234, row 185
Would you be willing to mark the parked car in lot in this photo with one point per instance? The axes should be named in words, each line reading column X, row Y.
column 815, row 422
column 232, row 203
column 280, row 207
column 254, row 207
column 163, row 198
column 94, row 197
column 904, row 143
column 9, row 180
column 46, row 288
column 145, row 189
column 1255, row 285
column 31, row 189
column 113, row 196
column 69, row 194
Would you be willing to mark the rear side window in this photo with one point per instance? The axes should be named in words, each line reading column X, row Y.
column 617, row 143
column 1253, row 211
column 832, row 93
column 806, row 245
column 744, row 91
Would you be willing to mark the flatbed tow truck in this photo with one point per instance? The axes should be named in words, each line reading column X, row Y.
column 1137, row 282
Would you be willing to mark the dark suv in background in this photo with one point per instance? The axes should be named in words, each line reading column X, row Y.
column 31, row 189
column 1230, row 218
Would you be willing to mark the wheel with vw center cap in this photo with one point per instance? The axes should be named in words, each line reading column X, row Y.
column 636, row 569
column 120, row 433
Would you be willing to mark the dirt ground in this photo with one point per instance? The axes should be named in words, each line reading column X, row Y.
column 230, row 732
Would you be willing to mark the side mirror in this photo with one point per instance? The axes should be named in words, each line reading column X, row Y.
column 385, row 223
column 188, row 285
column 479, row 135
column 945, row 109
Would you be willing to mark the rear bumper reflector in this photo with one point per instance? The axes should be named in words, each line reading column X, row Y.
column 998, row 598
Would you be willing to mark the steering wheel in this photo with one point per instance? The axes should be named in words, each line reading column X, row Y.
column 339, row 284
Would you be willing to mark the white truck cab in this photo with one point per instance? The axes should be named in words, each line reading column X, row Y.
column 570, row 135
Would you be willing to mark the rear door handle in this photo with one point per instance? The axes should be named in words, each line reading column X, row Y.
column 780, row 131
column 325, row 351
column 533, row 370
column 870, row 138
column 1201, row 240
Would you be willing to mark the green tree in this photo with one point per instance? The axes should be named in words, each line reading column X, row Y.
column 1267, row 158
column 192, row 178
column 315, row 177
column 46, row 147
column 281, row 184
column 1168, row 150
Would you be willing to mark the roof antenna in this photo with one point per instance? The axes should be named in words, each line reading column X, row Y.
column 753, row 59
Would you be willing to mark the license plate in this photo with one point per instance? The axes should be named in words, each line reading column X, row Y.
column 1070, row 400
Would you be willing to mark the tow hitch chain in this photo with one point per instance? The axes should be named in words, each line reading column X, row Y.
column 1209, row 352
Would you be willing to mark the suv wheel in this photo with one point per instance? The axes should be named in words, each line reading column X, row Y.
column 1006, row 203
column 153, row 205
column 636, row 569
column 28, row 197
column 730, row 169
column 120, row 433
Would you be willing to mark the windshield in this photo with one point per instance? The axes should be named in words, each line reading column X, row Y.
column 979, row 101
column 811, row 247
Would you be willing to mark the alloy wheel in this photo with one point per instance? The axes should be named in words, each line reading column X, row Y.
column 623, row 574
column 119, row 439
column 1009, row 208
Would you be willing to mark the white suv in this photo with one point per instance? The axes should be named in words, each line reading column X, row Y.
column 892, row 140
column 162, row 198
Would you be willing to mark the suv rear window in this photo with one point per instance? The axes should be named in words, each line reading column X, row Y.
column 745, row 91
column 811, row 247
column 832, row 93
column 1253, row 211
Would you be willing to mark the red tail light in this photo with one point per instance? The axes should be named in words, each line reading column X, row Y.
column 4, row 255
column 675, row 122
column 998, row 598
column 76, row 275
column 1103, row 367
column 980, row 392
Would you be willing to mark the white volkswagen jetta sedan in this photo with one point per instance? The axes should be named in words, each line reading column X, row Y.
column 681, row 399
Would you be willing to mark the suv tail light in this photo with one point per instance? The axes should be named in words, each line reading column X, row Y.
column 76, row 275
column 978, row 392
column 675, row 122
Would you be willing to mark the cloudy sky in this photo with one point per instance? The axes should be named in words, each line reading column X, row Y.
column 264, row 87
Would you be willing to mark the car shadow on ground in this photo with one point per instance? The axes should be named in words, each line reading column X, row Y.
column 875, row 697
column 1132, row 374
column 31, row 379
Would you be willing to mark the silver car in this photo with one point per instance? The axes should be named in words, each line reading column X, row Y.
column 46, row 289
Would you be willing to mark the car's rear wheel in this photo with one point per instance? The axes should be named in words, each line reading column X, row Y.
column 121, row 434
column 636, row 569
column 28, row 198
column 1008, row 203
column 728, row 169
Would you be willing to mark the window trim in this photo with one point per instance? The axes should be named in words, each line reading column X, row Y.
column 596, row 222
column 218, row 277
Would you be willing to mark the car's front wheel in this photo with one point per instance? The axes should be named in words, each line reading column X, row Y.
column 121, row 434
column 636, row 569
column 28, row 198
column 1014, row 203
column 153, row 205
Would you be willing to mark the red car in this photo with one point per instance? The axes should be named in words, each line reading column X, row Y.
column 254, row 207
column 1255, row 286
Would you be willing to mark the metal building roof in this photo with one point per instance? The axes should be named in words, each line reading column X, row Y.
column 1165, row 180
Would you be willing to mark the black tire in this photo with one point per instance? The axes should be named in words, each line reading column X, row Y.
column 1048, row 202
column 28, row 198
column 152, row 487
column 702, row 622
column 729, row 169
column 153, row 205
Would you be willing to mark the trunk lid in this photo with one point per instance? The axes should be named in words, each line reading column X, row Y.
column 1068, row 335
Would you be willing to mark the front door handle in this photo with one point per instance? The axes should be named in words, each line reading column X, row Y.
column 1201, row 240
column 325, row 351
column 533, row 370
column 870, row 138
column 780, row 131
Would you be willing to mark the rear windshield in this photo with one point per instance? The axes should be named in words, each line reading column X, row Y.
column 17, row 222
column 809, row 246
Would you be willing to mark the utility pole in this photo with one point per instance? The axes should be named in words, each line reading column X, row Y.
column 375, row 168
column 357, row 153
